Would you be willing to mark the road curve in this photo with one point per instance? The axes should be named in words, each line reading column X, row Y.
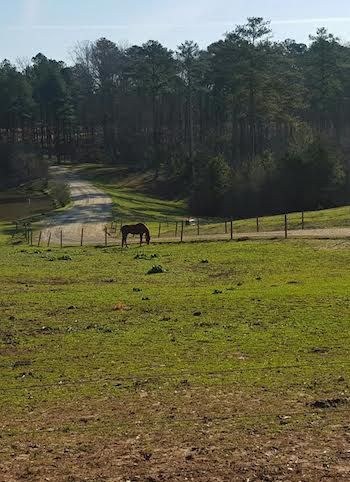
column 90, row 211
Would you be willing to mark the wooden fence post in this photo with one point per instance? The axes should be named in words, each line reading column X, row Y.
column 49, row 240
column 182, row 231
column 231, row 228
column 197, row 227
column 257, row 225
column 30, row 234
column 302, row 221
column 39, row 240
column 82, row 237
column 285, row 226
column 61, row 239
column 176, row 228
column 159, row 229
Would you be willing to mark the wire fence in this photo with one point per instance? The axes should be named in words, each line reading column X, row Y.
column 296, row 225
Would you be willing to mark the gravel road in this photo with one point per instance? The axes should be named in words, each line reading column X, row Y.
column 91, row 209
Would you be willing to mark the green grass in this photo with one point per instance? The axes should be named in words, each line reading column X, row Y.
column 277, row 304
column 226, row 350
column 326, row 218
column 229, row 345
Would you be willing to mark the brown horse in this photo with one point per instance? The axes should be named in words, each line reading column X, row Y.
column 140, row 229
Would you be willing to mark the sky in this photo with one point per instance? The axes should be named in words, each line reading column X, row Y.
column 53, row 27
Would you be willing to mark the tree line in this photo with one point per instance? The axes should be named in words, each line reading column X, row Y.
column 247, row 126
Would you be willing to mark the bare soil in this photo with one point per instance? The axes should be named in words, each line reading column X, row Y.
column 192, row 434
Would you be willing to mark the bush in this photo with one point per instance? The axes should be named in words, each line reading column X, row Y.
column 60, row 193
column 157, row 269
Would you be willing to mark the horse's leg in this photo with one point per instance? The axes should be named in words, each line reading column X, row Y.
column 141, row 239
column 124, row 241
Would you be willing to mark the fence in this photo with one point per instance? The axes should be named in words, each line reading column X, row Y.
column 302, row 224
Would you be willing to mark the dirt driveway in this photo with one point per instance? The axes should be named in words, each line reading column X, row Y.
column 91, row 209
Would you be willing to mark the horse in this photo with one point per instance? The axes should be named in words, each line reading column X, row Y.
column 140, row 229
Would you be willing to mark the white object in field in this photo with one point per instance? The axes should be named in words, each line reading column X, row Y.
column 191, row 221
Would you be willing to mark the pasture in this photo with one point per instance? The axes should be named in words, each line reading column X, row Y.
column 232, row 364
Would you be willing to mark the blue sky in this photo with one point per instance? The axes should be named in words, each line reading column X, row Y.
column 54, row 26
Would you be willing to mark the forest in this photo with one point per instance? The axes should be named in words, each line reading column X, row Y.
column 248, row 126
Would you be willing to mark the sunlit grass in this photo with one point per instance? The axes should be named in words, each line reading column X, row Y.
column 259, row 303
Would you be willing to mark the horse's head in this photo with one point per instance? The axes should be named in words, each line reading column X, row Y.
column 148, row 237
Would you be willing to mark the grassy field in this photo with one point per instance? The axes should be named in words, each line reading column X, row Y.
column 230, row 365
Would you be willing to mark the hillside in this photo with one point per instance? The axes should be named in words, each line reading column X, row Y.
column 135, row 199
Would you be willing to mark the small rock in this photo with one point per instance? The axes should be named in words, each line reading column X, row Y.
column 147, row 456
column 330, row 403
column 22, row 363
column 120, row 307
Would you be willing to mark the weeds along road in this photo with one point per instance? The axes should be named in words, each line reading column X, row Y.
column 90, row 209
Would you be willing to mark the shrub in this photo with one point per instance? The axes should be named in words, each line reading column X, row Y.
column 156, row 269
column 60, row 193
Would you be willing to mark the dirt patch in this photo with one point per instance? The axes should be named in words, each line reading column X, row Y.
column 330, row 403
column 190, row 434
